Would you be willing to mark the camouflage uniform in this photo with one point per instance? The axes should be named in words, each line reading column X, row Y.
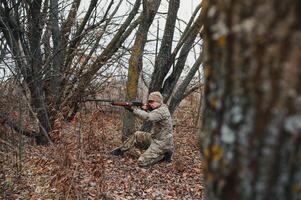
column 159, row 141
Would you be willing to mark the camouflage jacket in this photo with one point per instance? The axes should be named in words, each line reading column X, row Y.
column 162, row 125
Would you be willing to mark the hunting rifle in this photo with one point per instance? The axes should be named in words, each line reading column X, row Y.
column 125, row 104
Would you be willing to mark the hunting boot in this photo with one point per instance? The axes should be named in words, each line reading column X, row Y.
column 117, row 152
column 167, row 157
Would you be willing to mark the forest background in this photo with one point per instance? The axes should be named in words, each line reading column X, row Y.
column 229, row 74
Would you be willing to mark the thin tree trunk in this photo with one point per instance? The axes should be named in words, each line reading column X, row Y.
column 163, row 60
column 135, row 62
column 172, row 79
column 180, row 92
column 57, row 51
column 34, row 79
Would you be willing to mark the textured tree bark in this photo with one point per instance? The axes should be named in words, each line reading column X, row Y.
column 35, row 75
column 180, row 93
column 253, row 100
column 150, row 9
column 163, row 60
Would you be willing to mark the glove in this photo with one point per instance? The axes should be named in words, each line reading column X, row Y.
column 129, row 108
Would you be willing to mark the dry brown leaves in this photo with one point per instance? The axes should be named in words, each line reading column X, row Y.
column 78, row 166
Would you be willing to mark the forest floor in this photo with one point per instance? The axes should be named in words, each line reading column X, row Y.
column 78, row 165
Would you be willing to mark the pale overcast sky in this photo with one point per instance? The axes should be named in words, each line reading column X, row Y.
column 185, row 10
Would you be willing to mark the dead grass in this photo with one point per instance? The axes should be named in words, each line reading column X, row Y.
column 78, row 165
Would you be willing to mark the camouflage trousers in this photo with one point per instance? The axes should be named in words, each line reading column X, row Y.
column 154, row 152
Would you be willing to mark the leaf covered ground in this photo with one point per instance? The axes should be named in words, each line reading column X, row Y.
column 78, row 165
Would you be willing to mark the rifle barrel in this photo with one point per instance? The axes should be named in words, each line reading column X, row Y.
column 100, row 100
column 117, row 103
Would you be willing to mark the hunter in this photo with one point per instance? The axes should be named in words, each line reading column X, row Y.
column 159, row 141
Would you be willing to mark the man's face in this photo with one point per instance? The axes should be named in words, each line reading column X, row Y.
column 153, row 104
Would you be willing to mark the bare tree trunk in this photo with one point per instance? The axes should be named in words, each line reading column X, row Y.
column 166, row 58
column 34, row 79
column 253, row 100
column 28, row 57
column 163, row 60
column 56, row 70
column 180, row 93
column 150, row 9
column 172, row 79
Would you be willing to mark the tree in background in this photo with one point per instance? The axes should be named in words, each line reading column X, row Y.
column 150, row 9
column 252, row 121
column 168, row 59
